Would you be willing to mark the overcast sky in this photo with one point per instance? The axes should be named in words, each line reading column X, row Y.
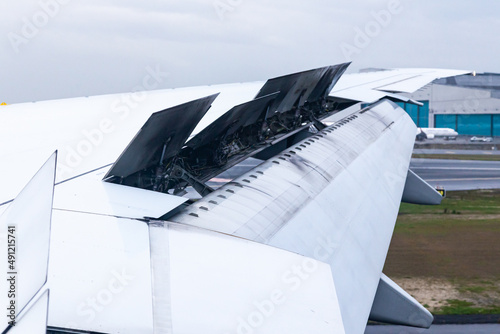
column 66, row 48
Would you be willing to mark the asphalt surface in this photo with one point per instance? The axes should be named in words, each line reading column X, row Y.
column 452, row 151
column 458, row 174
column 436, row 329
column 450, row 174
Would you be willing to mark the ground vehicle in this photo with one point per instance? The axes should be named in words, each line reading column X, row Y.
column 481, row 139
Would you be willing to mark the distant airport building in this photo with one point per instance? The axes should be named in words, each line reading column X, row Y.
column 468, row 104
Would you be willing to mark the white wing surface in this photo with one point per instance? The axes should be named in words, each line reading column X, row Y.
column 372, row 86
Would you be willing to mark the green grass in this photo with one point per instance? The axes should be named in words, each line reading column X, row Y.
column 477, row 286
column 459, row 202
column 473, row 289
column 456, row 306
column 458, row 241
column 458, row 157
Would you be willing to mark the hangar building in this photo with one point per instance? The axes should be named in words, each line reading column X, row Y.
column 469, row 104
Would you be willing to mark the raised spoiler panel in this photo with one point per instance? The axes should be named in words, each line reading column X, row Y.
column 157, row 158
column 333, row 197
column 238, row 117
column 298, row 88
column 162, row 137
column 328, row 81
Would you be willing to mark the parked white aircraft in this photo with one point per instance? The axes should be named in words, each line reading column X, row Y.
column 438, row 132
column 296, row 245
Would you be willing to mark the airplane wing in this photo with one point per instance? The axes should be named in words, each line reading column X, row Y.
column 394, row 83
column 295, row 245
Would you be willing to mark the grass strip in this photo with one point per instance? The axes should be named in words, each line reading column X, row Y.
column 457, row 157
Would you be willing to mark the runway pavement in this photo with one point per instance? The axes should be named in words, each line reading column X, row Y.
column 460, row 152
column 458, row 174
column 450, row 174
column 436, row 329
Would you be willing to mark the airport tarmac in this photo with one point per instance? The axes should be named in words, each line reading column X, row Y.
column 459, row 152
column 450, row 174
column 436, row 329
column 458, row 174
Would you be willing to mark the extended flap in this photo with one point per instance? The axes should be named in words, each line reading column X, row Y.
column 417, row 191
column 393, row 305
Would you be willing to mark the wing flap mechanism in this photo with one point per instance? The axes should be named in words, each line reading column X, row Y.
column 393, row 305
column 161, row 159
column 417, row 191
